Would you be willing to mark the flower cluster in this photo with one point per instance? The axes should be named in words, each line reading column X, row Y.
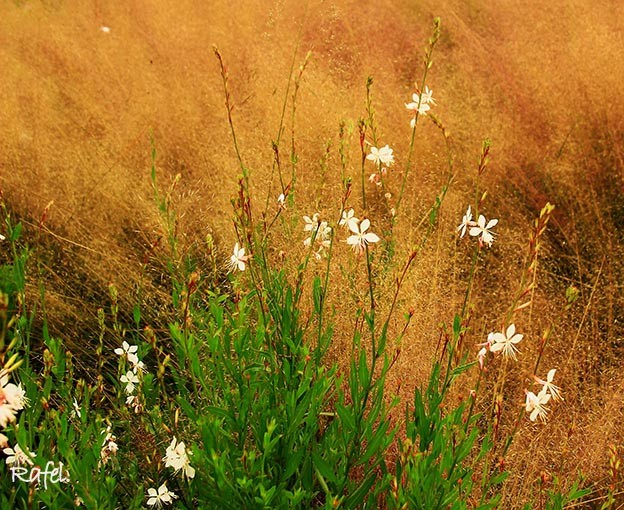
column 131, row 377
column 109, row 445
column 505, row 342
column 176, row 457
column 320, row 233
column 480, row 228
column 421, row 104
column 12, row 399
column 536, row 403
column 380, row 157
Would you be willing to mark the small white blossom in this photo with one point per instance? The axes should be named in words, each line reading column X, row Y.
column 348, row 219
column 12, row 399
column 18, row 456
column 548, row 385
column 320, row 232
column 129, row 351
column 536, row 404
column 421, row 108
column 506, row 341
column 177, row 458
column 109, row 446
column 238, row 260
column 483, row 231
column 130, row 379
column 361, row 238
column 311, row 224
column 381, row 156
column 76, row 410
column 161, row 497
column 427, row 96
column 466, row 223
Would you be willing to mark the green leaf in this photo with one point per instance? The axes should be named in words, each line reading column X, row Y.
column 324, row 468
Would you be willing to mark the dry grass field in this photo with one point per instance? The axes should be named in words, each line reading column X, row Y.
column 542, row 80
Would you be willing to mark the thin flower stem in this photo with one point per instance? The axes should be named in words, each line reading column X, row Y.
column 362, row 130
column 228, row 106
column 428, row 63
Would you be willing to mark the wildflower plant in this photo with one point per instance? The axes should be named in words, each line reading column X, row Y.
column 236, row 404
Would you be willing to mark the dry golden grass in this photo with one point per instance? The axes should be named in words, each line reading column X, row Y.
column 543, row 82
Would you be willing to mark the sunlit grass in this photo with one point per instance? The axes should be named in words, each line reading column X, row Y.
column 76, row 159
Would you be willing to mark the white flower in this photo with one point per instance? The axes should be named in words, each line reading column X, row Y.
column 177, row 458
column 131, row 380
column 311, row 224
column 2, row 238
column 481, row 357
column 421, row 109
column 348, row 219
column 361, row 239
column 555, row 391
column 76, row 409
column 535, row 404
column 18, row 456
column 483, row 231
column 281, row 201
column 129, row 351
column 139, row 366
column 427, row 96
column 109, row 446
column 12, row 395
column 238, row 259
column 506, row 342
column 160, row 497
column 466, row 222
column 320, row 232
column 12, row 399
column 381, row 156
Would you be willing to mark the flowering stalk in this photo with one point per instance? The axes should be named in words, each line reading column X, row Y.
column 229, row 107
column 293, row 151
column 529, row 275
column 428, row 63
column 362, row 131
